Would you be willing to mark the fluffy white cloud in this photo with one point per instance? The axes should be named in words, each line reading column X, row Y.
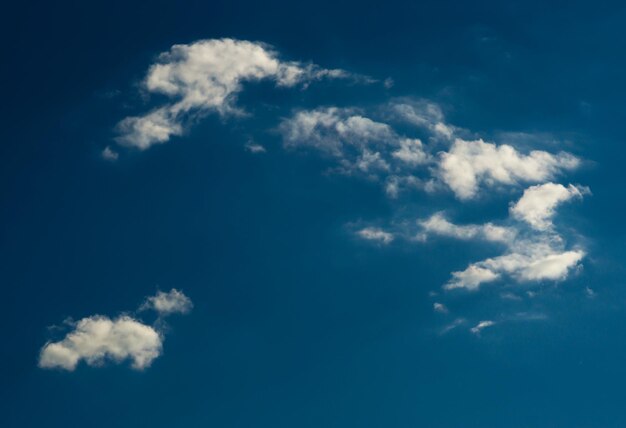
column 468, row 164
column 97, row 339
column 411, row 151
column 471, row 278
column 206, row 76
column 375, row 234
column 538, row 203
column 526, row 262
column 167, row 303
column 155, row 127
column 438, row 224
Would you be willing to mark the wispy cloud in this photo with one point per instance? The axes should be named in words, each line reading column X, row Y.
column 375, row 234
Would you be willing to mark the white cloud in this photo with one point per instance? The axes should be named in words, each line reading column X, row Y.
column 206, row 76
column 530, row 255
column 481, row 326
column 440, row 307
column 537, row 205
column 255, row 148
column 334, row 131
column 454, row 324
column 468, row 164
column 535, row 263
column 376, row 234
column 411, row 151
column 167, row 303
column 98, row 339
column 424, row 114
column 360, row 145
column 109, row 154
column 471, row 278
column 142, row 132
column 438, row 224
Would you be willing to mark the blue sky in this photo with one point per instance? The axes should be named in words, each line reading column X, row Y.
column 241, row 214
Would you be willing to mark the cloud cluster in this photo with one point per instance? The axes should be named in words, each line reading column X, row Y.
column 532, row 253
column 97, row 339
column 206, row 76
column 367, row 145
column 359, row 144
column 403, row 144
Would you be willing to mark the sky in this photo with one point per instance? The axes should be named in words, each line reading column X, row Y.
column 339, row 214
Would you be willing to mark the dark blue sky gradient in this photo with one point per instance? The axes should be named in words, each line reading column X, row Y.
column 296, row 323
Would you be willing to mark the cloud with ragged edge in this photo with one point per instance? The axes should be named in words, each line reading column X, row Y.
column 206, row 76
column 99, row 339
column 405, row 145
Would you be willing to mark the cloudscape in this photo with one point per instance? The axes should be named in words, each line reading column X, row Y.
column 335, row 214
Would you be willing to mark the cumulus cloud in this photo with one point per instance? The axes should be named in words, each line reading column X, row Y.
column 468, row 164
column 207, row 76
column 156, row 127
column 538, row 203
column 98, row 339
column 525, row 262
column 411, row 151
column 471, row 278
column 376, row 234
column 438, row 224
column 167, row 303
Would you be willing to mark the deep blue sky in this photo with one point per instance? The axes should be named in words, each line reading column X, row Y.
column 296, row 323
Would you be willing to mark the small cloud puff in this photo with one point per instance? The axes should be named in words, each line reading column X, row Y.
column 440, row 307
column 172, row 302
column 109, row 154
